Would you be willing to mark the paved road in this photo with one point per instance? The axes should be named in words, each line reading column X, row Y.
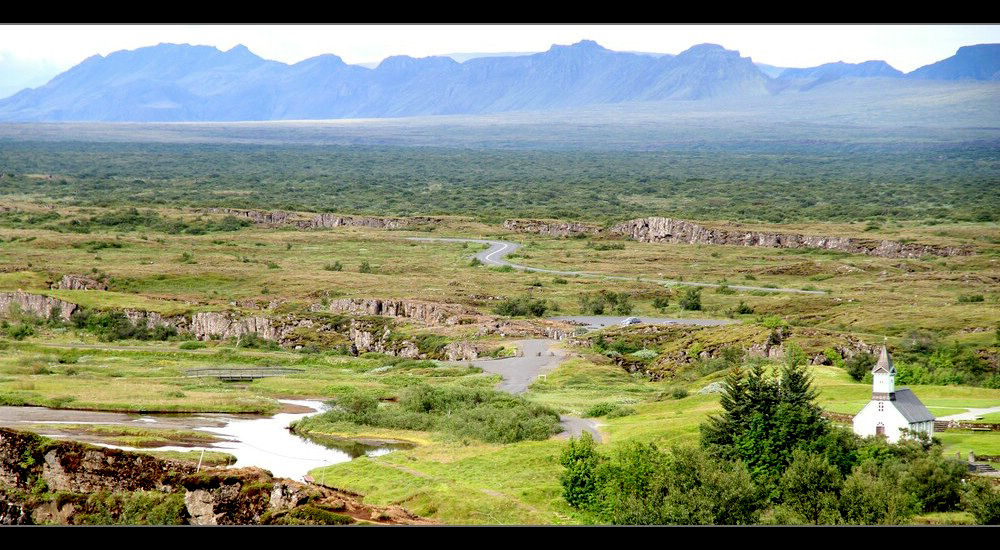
column 498, row 249
column 517, row 373
column 972, row 414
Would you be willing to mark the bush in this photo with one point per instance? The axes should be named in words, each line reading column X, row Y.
column 194, row 344
column 690, row 299
column 742, row 309
column 859, row 365
column 335, row 266
column 610, row 410
column 579, row 480
column 982, row 500
column 522, row 306
column 484, row 414
column 365, row 268
column 20, row 331
column 597, row 303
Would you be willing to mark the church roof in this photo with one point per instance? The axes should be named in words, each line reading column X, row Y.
column 884, row 363
column 910, row 407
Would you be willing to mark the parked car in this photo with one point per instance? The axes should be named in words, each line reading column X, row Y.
column 631, row 321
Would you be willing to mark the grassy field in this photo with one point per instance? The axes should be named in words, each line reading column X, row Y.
column 458, row 480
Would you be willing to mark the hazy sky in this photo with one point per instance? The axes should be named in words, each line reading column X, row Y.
column 905, row 47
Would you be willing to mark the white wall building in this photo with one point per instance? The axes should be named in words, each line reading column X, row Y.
column 891, row 410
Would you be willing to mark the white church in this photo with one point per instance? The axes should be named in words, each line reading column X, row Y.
column 890, row 411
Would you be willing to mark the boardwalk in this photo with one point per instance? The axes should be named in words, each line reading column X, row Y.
column 240, row 374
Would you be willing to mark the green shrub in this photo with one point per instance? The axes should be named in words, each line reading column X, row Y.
column 365, row 267
column 20, row 331
column 981, row 499
column 859, row 365
column 335, row 266
column 193, row 344
column 690, row 299
column 484, row 414
column 521, row 306
column 579, row 479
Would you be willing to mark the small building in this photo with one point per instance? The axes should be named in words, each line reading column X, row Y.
column 891, row 411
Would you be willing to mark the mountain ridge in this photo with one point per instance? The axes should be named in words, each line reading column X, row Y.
column 181, row 82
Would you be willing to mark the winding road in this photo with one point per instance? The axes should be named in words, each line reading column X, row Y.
column 536, row 358
column 494, row 256
column 519, row 372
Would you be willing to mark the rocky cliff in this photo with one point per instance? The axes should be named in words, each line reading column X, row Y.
column 551, row 228
column 79, row 282
column 206, row 325
column 322, row 221
column 666, row 230
column 431, row 313
column 319, row 221
column 246, row 496
column 35, row 304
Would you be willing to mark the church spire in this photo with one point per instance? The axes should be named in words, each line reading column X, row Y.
column 884, row 378
column 884, row 363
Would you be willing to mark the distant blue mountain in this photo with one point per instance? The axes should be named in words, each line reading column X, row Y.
column 180, row 82
column 979, row 62
column 831, row 71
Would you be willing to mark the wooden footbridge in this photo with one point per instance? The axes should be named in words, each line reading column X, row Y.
column 240, row 374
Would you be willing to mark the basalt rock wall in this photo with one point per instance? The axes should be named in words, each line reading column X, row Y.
column 35, row 304
column 431, row 313
column 320, row 221
column 79, row 282
column 551, row 228
column 227, row 325
column 667, row 230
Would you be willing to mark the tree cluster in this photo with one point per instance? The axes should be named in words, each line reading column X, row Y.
column 771, row 457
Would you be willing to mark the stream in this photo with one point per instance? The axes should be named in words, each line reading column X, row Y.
column 254, row 440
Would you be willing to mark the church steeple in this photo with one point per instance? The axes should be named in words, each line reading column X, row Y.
column 884, row 378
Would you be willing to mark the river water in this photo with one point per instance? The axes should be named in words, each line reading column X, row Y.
column 255, row 440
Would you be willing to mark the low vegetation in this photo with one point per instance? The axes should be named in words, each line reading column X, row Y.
column 483, row 414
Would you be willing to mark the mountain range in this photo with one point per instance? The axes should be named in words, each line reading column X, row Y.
column 180, row 82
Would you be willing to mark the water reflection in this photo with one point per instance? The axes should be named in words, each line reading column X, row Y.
column 259, row 441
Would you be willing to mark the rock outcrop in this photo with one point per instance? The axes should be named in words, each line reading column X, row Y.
column 666, row 230
column 376, row 335
column 320, row 221
column 262, row 217
column 35, row 304
column 79, row 282
column 552, row 228
column 79, row 468
column 431, row 313
column 206, row 325
column 245, row 496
